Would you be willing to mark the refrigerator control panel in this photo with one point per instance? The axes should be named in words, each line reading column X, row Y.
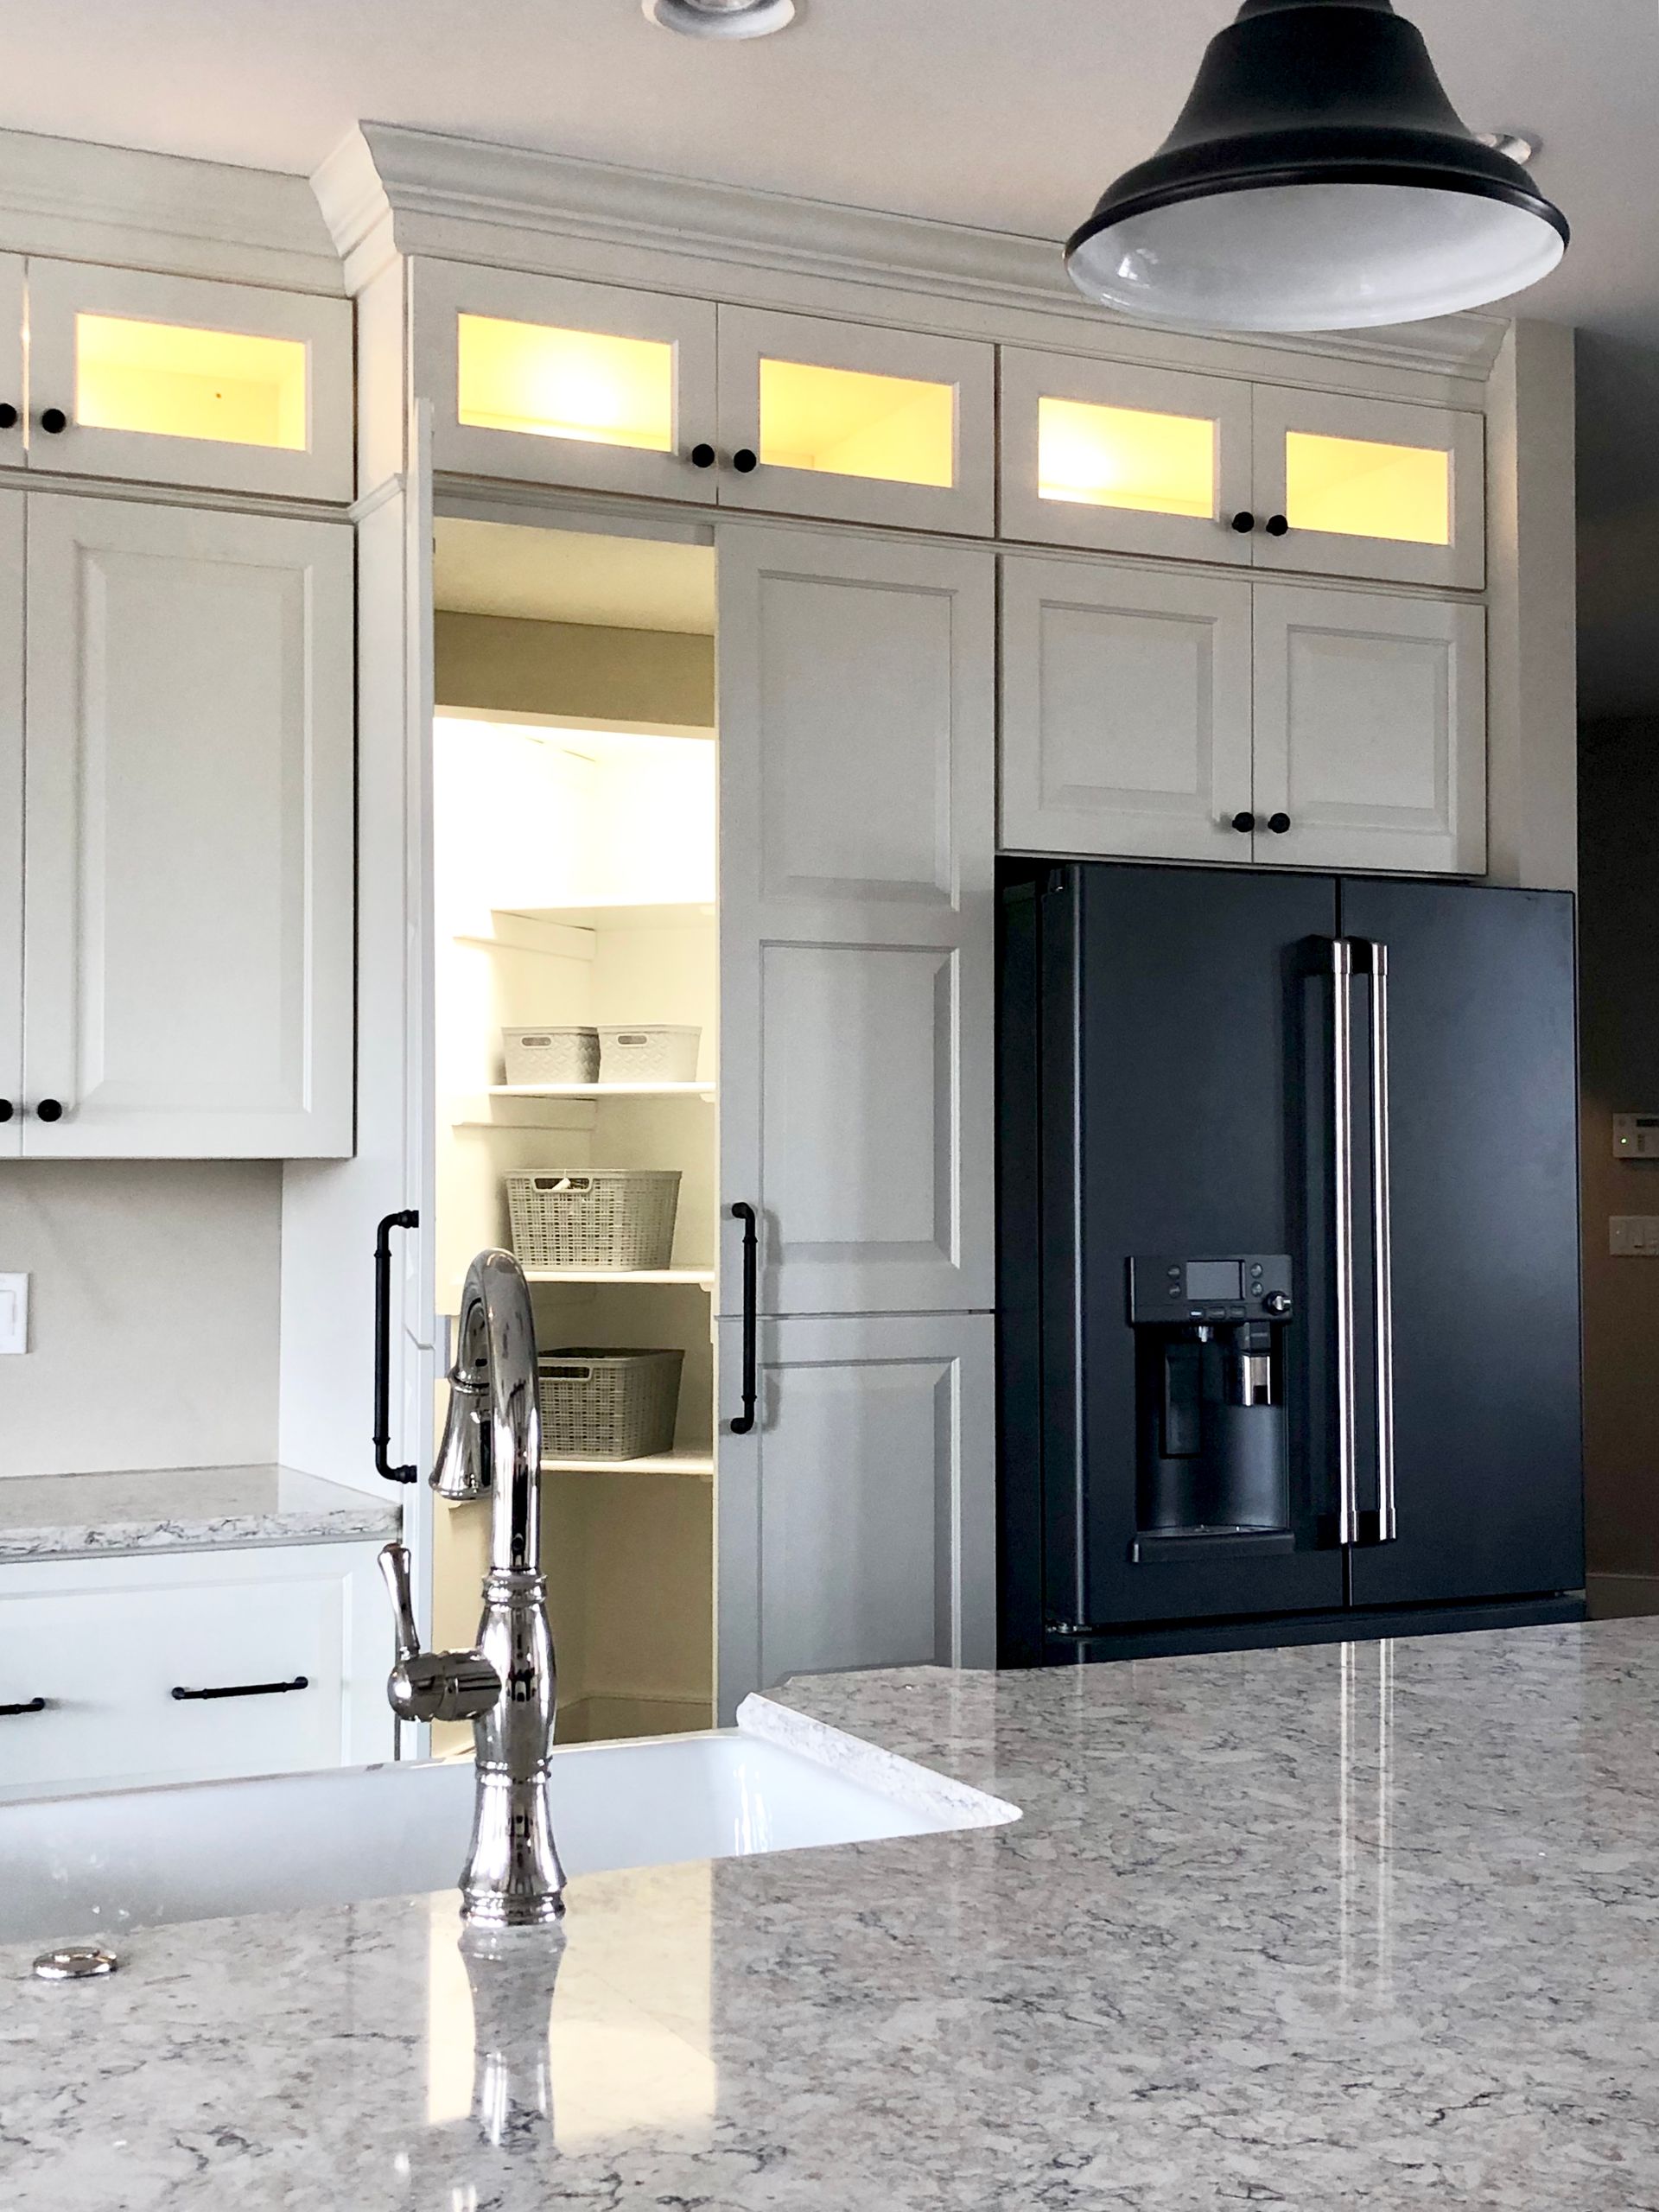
column 1254, row 1287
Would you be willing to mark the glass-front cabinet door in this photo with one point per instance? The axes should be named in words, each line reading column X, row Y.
column 855, row 422
column 548, row 380
column 1349, row 487
column 181, row 380
column 1125, row 460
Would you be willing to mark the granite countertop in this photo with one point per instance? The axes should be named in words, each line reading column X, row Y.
column 183, row 1509
column 1375, row 1926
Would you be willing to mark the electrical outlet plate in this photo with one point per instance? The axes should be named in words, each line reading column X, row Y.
column 14, row 1313
column 1636, row 1137
column 1633, row 1237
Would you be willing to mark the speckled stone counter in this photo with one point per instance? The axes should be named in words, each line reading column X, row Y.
column 183, row 1509
column 1314, row 1928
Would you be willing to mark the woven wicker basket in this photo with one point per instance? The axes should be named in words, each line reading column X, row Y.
column 605, row 1217
column 599, row 1404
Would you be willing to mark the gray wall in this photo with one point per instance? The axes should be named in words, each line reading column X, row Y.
column 507, row 665
column 152, row 1317
column 1618, row 927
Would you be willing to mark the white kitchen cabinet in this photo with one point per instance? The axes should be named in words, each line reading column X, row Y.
column 1124, row 458
column 187, row 891
column 856, row 423
column 552, row 381
column 11, row 824
column 1126, row 711
column 1146, row 461
column 1347, row 487
column 856, row 919
column 1370, row 725
column 179, row 380
column 292, row 1641
column 856, row 1518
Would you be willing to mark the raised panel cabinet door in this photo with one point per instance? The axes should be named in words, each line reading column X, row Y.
column 859, row 423
column 545, row 380
column 1348, row 486
column 856, row 920
column 857, row 1518
column 1370, row 731
column 1124, row 460
column 14, row 384
column 187, row 899
column 11, row 822
column 1126, row 711
column 182, row 380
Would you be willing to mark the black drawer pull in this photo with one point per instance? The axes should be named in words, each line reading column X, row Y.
column 33, row 1704
column 245, row 1689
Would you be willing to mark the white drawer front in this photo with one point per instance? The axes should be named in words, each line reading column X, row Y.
column 107, row 1643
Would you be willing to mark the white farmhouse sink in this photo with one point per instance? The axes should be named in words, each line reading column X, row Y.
column 74, row 1867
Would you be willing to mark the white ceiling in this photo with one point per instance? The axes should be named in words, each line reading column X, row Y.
column 1008, row 113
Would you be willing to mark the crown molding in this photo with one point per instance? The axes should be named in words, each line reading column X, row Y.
column 390, row 189
column 78, row 202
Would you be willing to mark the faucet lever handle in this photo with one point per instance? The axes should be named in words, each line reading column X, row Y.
column 394, row 1570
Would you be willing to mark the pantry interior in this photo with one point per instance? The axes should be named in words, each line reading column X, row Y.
column 575, row 889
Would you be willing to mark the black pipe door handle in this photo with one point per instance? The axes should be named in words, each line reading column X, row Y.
column 243, row 1689
column 408, row 1219
column 29, row 1705
column 745, row 1213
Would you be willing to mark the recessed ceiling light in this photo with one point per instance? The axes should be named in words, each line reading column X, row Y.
column 720, row 18
column 1318, row 179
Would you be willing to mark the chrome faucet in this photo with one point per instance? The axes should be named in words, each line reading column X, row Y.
column 506, row 1687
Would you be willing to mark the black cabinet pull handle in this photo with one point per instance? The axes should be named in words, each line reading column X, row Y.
column 408, row 1219
column 30, row 1705
column 1278, row 823
column 8, row 415
column 243, row 1689
column 49, row 1110
column 1244, row 824
column 1244, row 522
column 745, row 1213
column 53, row 419
column 702, row 456
column 1277, row 525
column 7, row 1110
column 744, row 461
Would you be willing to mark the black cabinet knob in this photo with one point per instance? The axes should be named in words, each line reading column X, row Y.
column 1276, row 525
column 1278, row 823
column 53, row 419
column 1243, row 522
column 7, row 1110
column 702, row 456
column 49, row 1110
column 8, row 415
column 744, row 460
column 1244, row 824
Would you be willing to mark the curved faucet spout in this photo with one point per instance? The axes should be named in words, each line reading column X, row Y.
column 493, row 1437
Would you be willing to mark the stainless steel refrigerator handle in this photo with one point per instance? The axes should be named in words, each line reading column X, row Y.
column 1372, row 960
column 1342, row 1222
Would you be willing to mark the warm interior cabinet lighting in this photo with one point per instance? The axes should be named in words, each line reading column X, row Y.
column 177, row 382
column 1356, row 489
column 847, row 423
column 1125, row 457
column 586, row 384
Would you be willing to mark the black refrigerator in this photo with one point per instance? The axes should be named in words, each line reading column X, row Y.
column 1288, row 1295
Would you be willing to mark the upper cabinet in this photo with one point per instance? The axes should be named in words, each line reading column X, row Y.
column 859, row 423
column 1206, row 468
column 177, row 741
column 179, row 380
column 592, row 386
column 542, row 379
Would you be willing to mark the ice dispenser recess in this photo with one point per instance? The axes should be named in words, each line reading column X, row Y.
column 1213, row 1461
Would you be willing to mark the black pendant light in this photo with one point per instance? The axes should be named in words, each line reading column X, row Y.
column 1316, row 179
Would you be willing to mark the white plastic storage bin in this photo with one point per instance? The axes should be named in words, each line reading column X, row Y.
column 609, row 1218
column 601, row 1403
column 551, row 1055
column 649, row 1052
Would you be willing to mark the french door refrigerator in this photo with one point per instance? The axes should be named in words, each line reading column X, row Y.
column 1289, row 1260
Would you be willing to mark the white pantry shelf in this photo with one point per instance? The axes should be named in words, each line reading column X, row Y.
column 703, row 1277
column 602, row 1090
column 698, row 1464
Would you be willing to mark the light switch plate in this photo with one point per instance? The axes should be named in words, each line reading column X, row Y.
column 14, row 1313
column 1633, row 1236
